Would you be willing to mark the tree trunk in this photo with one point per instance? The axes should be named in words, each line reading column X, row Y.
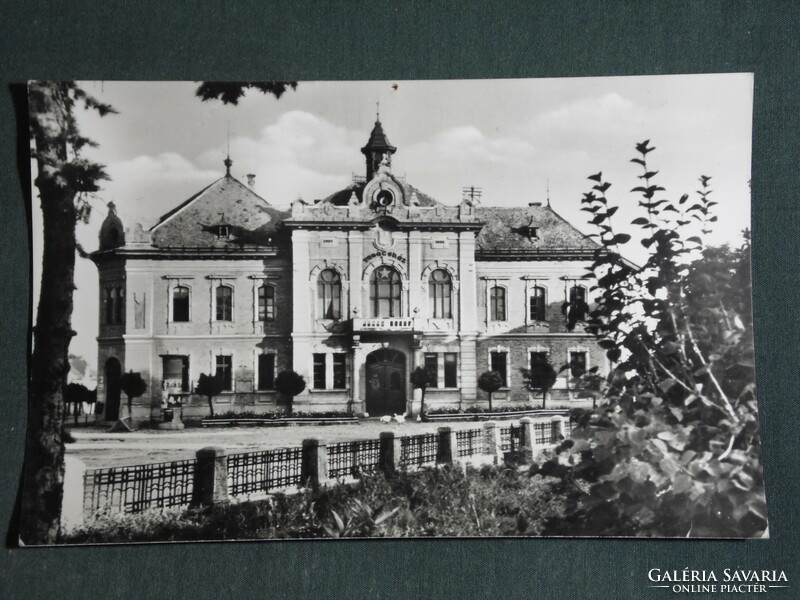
column 544, row 399
column 211, row 406
column 44, row 450
column 422, row 402
column 490, row 401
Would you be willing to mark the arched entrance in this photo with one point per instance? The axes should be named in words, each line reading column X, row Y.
column 113, row 376
column 386, row 382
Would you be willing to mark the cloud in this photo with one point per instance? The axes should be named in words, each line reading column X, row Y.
column 145, row 187
column 300, row 155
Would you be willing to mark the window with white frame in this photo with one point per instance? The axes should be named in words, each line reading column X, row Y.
column 266, row 303
column 537, row 304
column 577, row 362
column 440, row 287
column 442, row 368
column 329, row 295
column 498, row 362
column 578, row 302
column 497, row 303
column 180, row 304
column 329, row 371
column 223, row 296
column 224, row 371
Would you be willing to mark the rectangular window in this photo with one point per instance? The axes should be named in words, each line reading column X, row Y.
column 450, row 370
column 538, row 358
column 432, row 367
column 500, row 365
column 266, row 371
column 536, row 304
column 224, row 371
column 175, row 371
column 339, row 371
column 224, row 296
column 180, row 304
column 319, row 371
column 266, row 303
column 497, row 303
column 577, row 363
column 108, row 307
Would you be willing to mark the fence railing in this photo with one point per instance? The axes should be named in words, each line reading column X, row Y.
column 262, row 472
column 215, row 475
column 136, row 488
column 417, row 450
column 353, row 458
column 470, row 442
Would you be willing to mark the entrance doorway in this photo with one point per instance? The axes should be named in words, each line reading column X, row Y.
column 113, row 377
column 386, row 382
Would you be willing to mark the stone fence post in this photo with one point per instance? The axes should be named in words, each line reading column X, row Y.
column 529, row 446
column 390, row 452
column 314, row 463
column 210, row 476
column 493, row 445
column 447, row 448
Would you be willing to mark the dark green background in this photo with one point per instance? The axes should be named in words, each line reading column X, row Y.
column 411, row 40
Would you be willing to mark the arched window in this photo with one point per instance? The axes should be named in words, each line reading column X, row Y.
column 329, row 294
column 385, row 292
column 224, row 303
column 440, row 288
column 266, row 303
column 497, row 303
column 536, row 304
column 578, row 306
column 180, row 304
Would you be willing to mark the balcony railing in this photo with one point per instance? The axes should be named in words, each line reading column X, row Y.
column 385, row 324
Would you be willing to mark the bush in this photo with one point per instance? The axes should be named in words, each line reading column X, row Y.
column 492, row 501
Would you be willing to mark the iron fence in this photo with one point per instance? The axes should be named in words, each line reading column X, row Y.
column 353, row 458
column 260, row 472
column 136, row 488
column 470, row 442
column 511, row 438
column 543, row 432
column 416, row 450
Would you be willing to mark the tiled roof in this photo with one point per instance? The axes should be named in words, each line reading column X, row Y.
column 378, row 140
column 506, row 230
column 250, row 219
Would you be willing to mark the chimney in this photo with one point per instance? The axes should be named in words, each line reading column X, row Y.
column 251, row 180
column 534, row 203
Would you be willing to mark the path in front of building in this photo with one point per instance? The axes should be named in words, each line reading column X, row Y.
column 98, row 449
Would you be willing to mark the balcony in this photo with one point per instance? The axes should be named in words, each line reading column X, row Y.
column 385, row 324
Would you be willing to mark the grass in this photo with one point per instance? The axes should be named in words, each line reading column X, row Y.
column 448, row 501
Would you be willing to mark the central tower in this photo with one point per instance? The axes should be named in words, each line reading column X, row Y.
column 377, row 150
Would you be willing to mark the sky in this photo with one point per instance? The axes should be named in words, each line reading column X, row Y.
column 520, row 140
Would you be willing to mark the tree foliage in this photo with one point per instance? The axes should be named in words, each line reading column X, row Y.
column 290, row 384
column 490, row 382
column 541, row 377
column 230, row 92
column 134, row 386
column 63, row 178
column 209, row 386
column 421, row 379
column 673, row 449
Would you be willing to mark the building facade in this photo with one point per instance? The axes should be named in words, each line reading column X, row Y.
column 353, row 292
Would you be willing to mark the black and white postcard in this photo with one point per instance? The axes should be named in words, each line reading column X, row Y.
column 464, row 308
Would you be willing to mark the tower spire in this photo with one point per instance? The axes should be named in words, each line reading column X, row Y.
column 228, row 162
column 548, row 191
